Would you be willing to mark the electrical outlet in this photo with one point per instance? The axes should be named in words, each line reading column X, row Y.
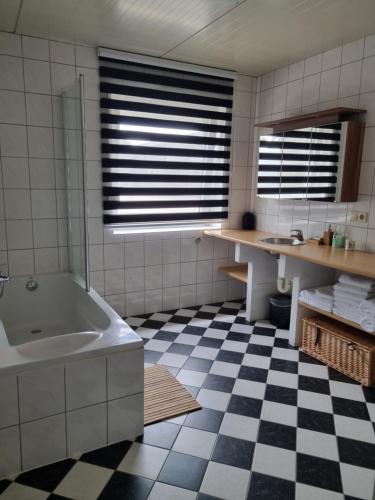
column 359, row 217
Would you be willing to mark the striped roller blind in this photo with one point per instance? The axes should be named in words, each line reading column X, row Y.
column 166, row 136
column 300, row 164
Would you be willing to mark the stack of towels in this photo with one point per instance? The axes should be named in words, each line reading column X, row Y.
column 321, row 298
column 354, row 299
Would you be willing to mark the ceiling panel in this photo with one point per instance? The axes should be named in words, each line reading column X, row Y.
column 8, row 14
column 261, row 35
column 145, row 26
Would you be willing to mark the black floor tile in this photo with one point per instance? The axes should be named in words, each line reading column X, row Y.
column 340, row 377
column 183, row 349
column 194, row 330
column 162, row 434
column 4, row 483
column 281, row 395
column 350, row 408
column 124, row 486
column 183, row 471
column 205, row 419
column 230, row 357
column 315, row 421
column 369, row 394
column 284, row 344
column 198, row 364
column 313, row 384
column 152, row 356
column 153, row 324
column 109, row 456
column 283, row 436
column 238, row 337
column 193, row 390
column 209, row 342
column 54, row 496
column 319, row 472
column 219, row 383
column 248, row 407
column 356, row 452
column 203, row 496
column 234, row 452
column 182, row 320
column 283, row 365
column 164, row 335
column 205, row 315
column 221, row 325
column 305, row 358
column 264, row 487
column 259, row 350
column 48, row 477
column 250, row 373
column 262, row 330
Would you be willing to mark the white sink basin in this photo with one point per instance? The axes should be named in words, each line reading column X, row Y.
column 282, row 241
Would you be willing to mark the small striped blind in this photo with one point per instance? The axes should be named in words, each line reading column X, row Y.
column 300, row 164
column 165, row 139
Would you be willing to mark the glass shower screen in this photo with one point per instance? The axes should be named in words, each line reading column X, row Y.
column 75, row 175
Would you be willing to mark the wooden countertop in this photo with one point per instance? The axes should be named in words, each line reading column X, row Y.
column 355, row 262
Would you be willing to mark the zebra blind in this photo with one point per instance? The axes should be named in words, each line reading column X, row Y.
column 165, row 139
column 300, row 164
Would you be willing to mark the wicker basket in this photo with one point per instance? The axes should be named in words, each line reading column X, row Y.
column 342, row 347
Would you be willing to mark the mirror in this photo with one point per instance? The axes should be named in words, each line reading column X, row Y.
column 306, row 164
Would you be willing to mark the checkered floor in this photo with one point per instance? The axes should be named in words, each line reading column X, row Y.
column 275, row 423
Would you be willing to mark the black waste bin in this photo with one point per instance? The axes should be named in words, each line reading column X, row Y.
column 280, row 305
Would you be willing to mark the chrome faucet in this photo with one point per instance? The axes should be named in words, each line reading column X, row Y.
column 298, row 234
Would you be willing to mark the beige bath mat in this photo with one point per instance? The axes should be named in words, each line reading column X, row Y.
column 165, row 397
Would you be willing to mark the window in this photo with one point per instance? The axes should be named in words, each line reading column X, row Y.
column 300, row 164
column 166, row 137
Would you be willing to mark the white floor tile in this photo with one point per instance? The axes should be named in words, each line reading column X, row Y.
column 174, row 327
column 204, row 352
column 84, row 481
column 317, row 444
column 214, row 333
column 20, row 492
column 147, row 333
column 190, row 377
column 314, row 401
column 195, row 442
column 231, row 345
column 312, row 370
column 171, row 359
column 249, row 388
column 354, row 428
column 344, row 390
column 288, row 354
column 168, row 492
column 224, row 481
column 306, row 492
column 215, row 400
column 261, row 340
column 186, row 338
column 256, row 361
column 279, row 413
column 226, row 318
column 157, row 345
column 237, row 327
column 283, row 379
column 274, row 461
column 357, row 481
column 202, row 323
column 225, row 369
column 238, row 426
column 144, row 460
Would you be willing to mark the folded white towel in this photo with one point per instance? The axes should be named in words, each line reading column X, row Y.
column 339, row 288
column 352, row 308
column 358, row 281
column 344, row 313
column 367, row 308
column 368, row 324
column 325, row 292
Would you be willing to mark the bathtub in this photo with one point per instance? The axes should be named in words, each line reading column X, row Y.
column 71, row 373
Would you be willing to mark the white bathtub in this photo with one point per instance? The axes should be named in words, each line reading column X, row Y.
column 71, row 373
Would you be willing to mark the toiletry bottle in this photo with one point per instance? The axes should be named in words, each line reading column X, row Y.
column 338, row 240
column 327, row 236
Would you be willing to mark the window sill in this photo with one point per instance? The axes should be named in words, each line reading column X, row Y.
column 165, row 228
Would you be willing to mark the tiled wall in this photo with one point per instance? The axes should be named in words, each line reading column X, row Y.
column 136, row 274
column 53, row 412
column 343, row 76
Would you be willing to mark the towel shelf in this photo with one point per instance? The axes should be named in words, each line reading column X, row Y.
column 332, row 316
column 237, row 272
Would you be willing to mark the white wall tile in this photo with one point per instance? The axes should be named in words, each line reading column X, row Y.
column 9, row 401
column 61, row 76
column 368, row 75
column 40, row 141
column 125, row 373
column 13, row 141
column 86, row 57
column 62, row 53
column 43, row 441
column 134, row 279
column 43, row 202
column 15, row 173
column 20, row 262
column 153, row 277
column 41, row 393
column 39, row 110
column 352, row 51
column 153, row 300
column 134, row 303
column 11, row 74
column 10, row 44
column 350, row 79
column 19, row 234
column 329, row 84
column 86, row 382
column 37, row 76
column 35, row 48
column 17, row 204
column 10, row 452
column 12, row 107
column 125, row 418
column 86, row 429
